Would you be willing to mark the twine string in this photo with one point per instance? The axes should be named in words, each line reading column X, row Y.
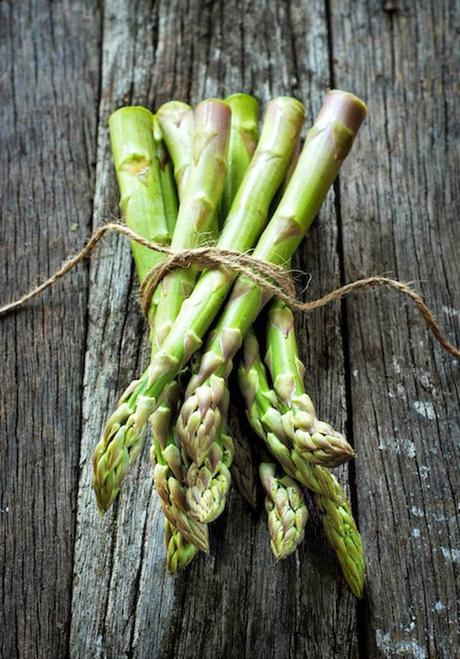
column 273, row 279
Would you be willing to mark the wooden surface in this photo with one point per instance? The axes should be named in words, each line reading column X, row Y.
column 75, row 585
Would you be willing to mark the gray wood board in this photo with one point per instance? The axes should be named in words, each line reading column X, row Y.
column 401, row 218
column 76, row 584
column 49, row 61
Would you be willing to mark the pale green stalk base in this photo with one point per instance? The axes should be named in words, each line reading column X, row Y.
column 177, row 123
column 244, row 135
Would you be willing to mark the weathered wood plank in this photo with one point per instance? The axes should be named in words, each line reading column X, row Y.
column 399, row 200
column 49, row 62
column 237, row 599
column 397, row 197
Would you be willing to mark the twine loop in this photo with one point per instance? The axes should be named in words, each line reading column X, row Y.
column 274, row 280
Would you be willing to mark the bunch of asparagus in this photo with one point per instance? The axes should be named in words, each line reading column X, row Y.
column 204, row 176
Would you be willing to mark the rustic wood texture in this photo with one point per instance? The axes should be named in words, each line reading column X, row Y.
column 76, row 585
column 49, row 73
column 404, row 394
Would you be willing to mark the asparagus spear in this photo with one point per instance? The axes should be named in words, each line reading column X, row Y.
column 244, row 223
column 178, row 122
column 326, row 146
column 208, row 483
column 243, row 469
column 334, row 508
column 202, row 189
column 138, row 167
column 174, row 118
column 196, row 218
column 207, row 488
column 316, row 441
column 149, row 206
column 169, row 470
column 286, row 510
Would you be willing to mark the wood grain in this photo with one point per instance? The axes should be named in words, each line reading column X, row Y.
column 76, row 585
column 49, row 61
column 401, row 218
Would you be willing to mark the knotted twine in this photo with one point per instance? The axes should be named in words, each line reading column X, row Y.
column 273, row 279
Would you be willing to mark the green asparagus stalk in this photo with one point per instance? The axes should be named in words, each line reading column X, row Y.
column 244, row 223
column 139, row 165
column 179, row 552
column 206, row 487
column 195, row 220
column 177, row 123
column 316, row 441
column 286, row 510
column 326, row 146
column 209, row 483
column 244, row 135
column 168, row 188
column 333, row 506
column 243, row 469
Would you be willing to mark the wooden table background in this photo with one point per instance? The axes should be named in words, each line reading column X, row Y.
column 75, row 585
